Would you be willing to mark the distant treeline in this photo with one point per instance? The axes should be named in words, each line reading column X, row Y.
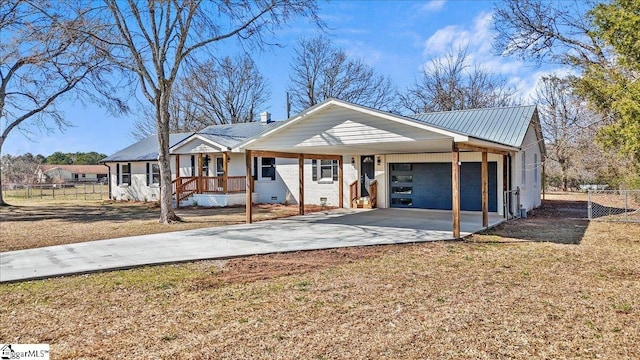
column 59, row 158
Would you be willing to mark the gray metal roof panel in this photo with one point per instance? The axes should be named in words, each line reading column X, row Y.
column 145, row 149
column 506, row 125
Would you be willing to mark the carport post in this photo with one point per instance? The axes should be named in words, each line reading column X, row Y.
column 455, row 181
column 249, row 200
column 340, row 179
column 485, row 190
column 301, row 183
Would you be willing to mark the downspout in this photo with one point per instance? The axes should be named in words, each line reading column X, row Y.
column 109, row 180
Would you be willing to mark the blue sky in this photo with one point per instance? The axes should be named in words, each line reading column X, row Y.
column 395, row 37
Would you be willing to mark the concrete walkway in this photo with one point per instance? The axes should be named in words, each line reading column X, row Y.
column 333, row 229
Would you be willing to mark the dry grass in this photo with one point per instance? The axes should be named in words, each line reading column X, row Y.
column 32, row 224
column 501, row 295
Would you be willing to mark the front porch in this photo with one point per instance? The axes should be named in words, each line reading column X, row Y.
column 210, row 190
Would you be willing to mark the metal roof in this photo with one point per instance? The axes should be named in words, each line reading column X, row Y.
column 145, row 149
column 507, row 125
column 228, row 135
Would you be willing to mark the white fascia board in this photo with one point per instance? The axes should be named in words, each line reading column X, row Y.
column 220, row 148
column 489, row 144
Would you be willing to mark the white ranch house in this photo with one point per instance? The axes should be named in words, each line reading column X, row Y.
column 342, row 154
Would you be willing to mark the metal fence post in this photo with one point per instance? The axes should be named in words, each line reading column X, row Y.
column 626, row 205
column 589, row 214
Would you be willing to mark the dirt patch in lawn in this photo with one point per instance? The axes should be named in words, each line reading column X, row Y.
column 505, row 294
column 39, row 224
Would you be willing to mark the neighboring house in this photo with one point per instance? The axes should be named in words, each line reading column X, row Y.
column 374, row 157
column 72, row 173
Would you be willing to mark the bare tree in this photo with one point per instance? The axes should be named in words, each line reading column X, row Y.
column 225, row 91
column 562, row 122
column 45, row 55
column 548, row 31
column 321, row 71
column 450, row 83
column 154, row 39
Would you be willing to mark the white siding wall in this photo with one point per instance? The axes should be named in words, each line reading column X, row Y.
column 286, row 186
column 531, row 188
column 138, row 190
column 340, row 126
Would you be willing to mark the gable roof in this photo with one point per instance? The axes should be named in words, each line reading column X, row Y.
column 329, row 103
column 507, row 125
column 76, row 169
column 230, row 135
column 145, row 149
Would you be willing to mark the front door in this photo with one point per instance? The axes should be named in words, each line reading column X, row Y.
column 367, row 174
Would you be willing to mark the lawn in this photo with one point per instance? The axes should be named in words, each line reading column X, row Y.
column 550, row 286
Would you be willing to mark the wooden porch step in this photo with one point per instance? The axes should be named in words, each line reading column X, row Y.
column 362, row 203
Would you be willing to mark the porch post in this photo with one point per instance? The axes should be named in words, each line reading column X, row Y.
column 340, row 185
column 485, row 190
column 225, row 168
column 177, row 166
column 178, row 182
column 198, row 182
column 301, row 184
column 455, row 181
column 248, row 188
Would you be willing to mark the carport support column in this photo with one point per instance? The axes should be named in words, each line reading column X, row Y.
column 248, row 189
column 301, row 184
column 485, row 190
column 455, row 181
column 340, row 180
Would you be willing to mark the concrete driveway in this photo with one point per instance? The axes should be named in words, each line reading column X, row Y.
column 332, row 229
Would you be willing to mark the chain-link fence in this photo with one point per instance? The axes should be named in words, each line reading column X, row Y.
column 614, row 205
column 71, row 191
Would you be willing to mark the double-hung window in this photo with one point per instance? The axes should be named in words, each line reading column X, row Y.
column 153, row 174
column 268, row 168
column 324, row 170
column 123, row 174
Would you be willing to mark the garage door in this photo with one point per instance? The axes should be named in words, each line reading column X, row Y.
column 428, row 186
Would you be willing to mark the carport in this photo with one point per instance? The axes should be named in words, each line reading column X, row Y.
column 335, row 129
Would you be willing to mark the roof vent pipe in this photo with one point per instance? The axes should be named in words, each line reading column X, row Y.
column 265, row 117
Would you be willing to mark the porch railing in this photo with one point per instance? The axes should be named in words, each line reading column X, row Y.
column 373, row 193
column 183, row 187
column 353, row 193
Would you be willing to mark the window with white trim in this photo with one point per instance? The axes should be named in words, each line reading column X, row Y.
column 324, row 170
column 220, row 166
column 123, row 174
column 153, row 174
column 267, row 168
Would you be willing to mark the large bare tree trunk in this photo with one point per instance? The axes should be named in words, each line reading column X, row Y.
column 167, row 215
column 2, row 203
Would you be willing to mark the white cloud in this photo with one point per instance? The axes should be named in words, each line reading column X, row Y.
column 477, row 39
column 432, row 6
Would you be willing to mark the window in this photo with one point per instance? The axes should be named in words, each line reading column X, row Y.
column 123, row 173
column 193, row 165
column 401, row 167
column 524, row 168
column 401, row 178
column 153, row 174
column 328, row 170
column 220, row 166
column 267, row 168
